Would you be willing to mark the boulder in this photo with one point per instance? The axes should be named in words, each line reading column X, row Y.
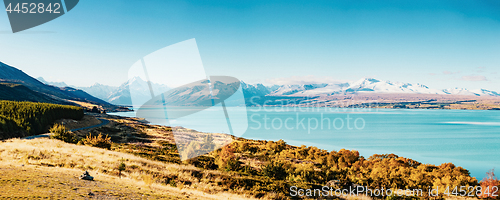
column 86, row 176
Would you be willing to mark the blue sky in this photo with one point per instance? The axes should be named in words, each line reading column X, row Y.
column 442, row 44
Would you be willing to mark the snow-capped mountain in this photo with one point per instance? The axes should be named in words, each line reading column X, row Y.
column 477, row 92
column 121, row 96
column 111, row 94
column 136, row 85
column 296, row 89
column 203, row 93
column 366, row 85
column 327, row 89
column 377, row 86
column 99, row 90
column 257, row 89
column 58, row 84
column 371, row 85
column 482, row 92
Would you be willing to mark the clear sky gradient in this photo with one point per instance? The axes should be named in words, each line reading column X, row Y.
column 441, row 44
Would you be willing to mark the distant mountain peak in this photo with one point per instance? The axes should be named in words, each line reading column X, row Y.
column 96, row 84
column 136, row 79
column 41, row 79
column 58, row 84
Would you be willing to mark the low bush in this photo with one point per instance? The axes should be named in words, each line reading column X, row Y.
column 275, row 170
column 204, row 162
column 121, row 167
column 227, row 160
column 98, row 141
column 59, row 132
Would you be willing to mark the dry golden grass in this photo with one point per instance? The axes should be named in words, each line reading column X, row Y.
column 88, row 120
column 57, row 155
column 33, row 182
column 86, row 104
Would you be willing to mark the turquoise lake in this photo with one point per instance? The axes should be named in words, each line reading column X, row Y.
column 467, row 138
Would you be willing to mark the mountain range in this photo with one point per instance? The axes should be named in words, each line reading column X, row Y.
column 115, row 95
column 17, row 85
column 371, row 85
column 121, row 95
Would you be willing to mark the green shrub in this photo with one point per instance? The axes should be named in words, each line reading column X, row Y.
column 275, row 170
column 227, row 161
column 59, row 132
column 276, row 146
column 121, row 167
column 173, row 183
column 204, row 162
column 98, row 141
column 249, row 171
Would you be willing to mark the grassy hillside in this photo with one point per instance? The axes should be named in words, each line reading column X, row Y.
column 244, row 168
column 42, row 168
column 40, row 182
column 31, row 118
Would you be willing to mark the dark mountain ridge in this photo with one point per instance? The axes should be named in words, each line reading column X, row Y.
column 19, row 86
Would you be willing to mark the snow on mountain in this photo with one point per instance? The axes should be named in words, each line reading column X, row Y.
column 287, row 90
column 256, row 90
column 477, row 92
column 365, row 85
column 309, row 89
column 99, row 90
column 327, row 89
column 486, row 92
column 459, row 91
column 121, row 96
column 201, row 93
column 377, row 86
column 58, row 84
column 116, row 95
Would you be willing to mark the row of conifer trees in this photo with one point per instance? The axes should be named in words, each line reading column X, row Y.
column 32, row 118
